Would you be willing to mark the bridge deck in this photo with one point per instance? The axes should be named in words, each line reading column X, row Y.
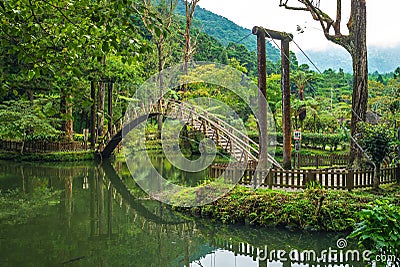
column 235, row 142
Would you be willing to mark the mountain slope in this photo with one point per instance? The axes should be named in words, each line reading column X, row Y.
column 382, row 60
column 226, row 31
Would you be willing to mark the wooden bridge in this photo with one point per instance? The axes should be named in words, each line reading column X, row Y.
column 237, row 144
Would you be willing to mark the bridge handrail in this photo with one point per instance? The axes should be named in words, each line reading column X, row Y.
column 185, row 104
column 116, row 122
column 241, row 140
column 220, row 121
column 223, row 129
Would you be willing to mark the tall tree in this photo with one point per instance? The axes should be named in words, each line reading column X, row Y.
column 165, row 12
column 189, row 45
column 164, row 9
column 42, row 40
column 355, row 43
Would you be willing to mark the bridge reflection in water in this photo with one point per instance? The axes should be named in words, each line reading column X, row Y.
column 102, row 219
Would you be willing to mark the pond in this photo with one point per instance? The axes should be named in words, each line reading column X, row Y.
column 88, row 214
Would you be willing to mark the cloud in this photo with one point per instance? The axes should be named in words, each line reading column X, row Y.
column 381, row 24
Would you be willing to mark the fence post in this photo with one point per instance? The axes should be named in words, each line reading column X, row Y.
column 350, row 180
column 269, row 179
column 310, row 177
column 255, row 180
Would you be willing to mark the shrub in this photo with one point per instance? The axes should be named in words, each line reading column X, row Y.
column 311, row 139
column 379, row 229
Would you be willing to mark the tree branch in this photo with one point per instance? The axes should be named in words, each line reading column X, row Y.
column 294, row 8
column 338, row 21
column 36, row 19
column 326, row 21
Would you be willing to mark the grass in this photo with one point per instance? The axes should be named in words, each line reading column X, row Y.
column 311, row 152
column 49, row 157
column 315, row 208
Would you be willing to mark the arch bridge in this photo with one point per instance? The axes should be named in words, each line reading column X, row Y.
column 237, row 144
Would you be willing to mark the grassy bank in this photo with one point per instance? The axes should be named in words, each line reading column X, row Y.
column 313, row 209
column 48, row 157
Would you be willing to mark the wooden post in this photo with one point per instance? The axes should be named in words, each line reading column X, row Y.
column 270, row 177
column 262, row 87
column 398, row 173
column 350, row 180
column 255, row 177
column 285, row 83
column 93, row 115
column 286, row 120
column 100, row 107
column 109, row 107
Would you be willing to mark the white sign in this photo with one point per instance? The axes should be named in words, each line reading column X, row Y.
column 297, row 135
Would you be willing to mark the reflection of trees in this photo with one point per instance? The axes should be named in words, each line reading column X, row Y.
column 140, row 169
column 66, row 201
column 247, row 241
column 149, row 209
column 108, row 225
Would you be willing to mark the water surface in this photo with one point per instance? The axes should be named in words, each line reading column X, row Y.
column 89, row 214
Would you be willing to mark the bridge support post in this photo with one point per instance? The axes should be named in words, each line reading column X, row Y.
column 285, row 84
column 262, row 87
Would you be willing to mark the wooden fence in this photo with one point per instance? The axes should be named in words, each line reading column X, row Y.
column 41, row 146
column 317, row 161
column 299, row 179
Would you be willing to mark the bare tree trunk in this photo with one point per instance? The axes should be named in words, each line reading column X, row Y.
column 187, row 43
column 286, row 121
column 110, row 109
column 357, row 27
column 168, row 8
column 188, row 50
column 377, row 173
column 100, row 108
column 161, row 81
column 93, row 115
column 66, row 115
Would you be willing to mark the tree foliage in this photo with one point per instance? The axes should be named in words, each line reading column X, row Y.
column 377, row 140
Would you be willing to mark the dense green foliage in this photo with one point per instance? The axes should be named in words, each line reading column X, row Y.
column 17, row 207
column 49, row 157
column 226, row 31
column 314, row 208
column 48, row 63
column 28, row 121
column 379, row 229
column 377, row 140
column 313, row 140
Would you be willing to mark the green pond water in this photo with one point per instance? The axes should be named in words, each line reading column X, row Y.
column 89, row 214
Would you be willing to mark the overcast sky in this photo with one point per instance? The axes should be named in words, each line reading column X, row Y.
column 382, row 27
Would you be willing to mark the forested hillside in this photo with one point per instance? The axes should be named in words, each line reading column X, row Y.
column 226, row 31
column 56, row 75
column 382, row 60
